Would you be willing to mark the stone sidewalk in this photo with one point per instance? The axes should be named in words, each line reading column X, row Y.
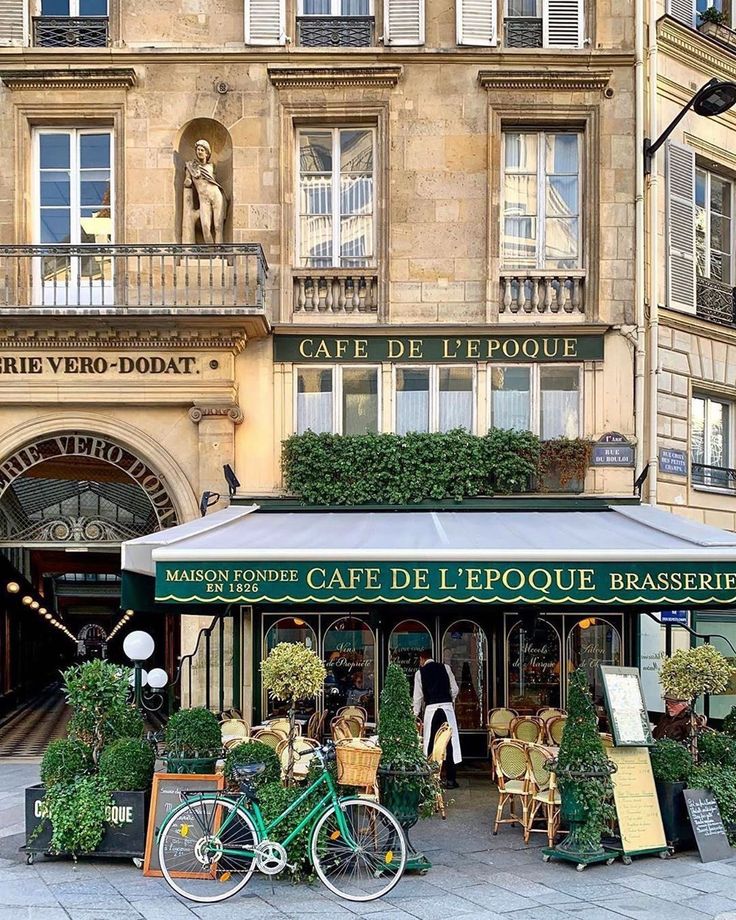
column 475, row 876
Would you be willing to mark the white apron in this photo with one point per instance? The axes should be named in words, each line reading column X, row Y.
column 449, row 713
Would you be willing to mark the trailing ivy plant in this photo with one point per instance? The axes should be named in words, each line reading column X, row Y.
column 77, row 812
column 512, row 460
column 671, row 761
column 722, row 783
column 565, row 460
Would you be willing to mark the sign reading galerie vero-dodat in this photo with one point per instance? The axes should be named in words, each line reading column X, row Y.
column 495, row 348
column 97, row 365
column 654, row 583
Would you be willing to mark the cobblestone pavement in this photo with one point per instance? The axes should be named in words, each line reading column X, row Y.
column 475, row 876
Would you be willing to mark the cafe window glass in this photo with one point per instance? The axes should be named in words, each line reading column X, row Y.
column 722, row 633
column 290, row 629
column 711, row 442
column 593, row 642
column 341, row 400
column 349, row 651
column 406, row 642
column 465, row 650
column 434, row 398
column 543, row 398
column 533, row 656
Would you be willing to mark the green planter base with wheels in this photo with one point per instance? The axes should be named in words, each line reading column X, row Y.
column 574, row 848
column 205, row 765
column 400, row 794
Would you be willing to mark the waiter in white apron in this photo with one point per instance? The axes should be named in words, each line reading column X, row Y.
column 435, row 689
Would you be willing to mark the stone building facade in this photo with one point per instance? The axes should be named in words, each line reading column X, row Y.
column 455, row 179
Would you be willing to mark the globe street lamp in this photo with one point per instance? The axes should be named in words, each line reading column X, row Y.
column 139, row 647
column 713, row 98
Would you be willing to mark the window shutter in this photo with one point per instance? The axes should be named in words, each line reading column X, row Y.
column 476, row 22
column 563, row 24
column 11, row 22
column 680, row 193
column 403, row 22
column 265, row 22
column 681, row 10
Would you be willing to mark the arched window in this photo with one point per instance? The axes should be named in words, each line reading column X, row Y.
column 349, row 650
column 289, row 629
column 533, row 655
column 407, row 640
column 592, row 642
column 465, row 650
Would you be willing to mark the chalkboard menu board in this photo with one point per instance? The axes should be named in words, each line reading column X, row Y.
column 166, row 796
column 707, row 824
column 627, row 711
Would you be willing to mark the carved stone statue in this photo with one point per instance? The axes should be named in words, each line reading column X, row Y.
column 204, row 199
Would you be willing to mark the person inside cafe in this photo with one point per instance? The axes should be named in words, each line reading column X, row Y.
column 435, row 690
column 677, row 723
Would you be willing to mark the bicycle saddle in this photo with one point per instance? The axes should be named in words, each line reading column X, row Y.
column 248, row 770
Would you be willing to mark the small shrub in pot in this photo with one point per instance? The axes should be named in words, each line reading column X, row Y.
column 65, row 761
column 193, row 741
column 127, row 765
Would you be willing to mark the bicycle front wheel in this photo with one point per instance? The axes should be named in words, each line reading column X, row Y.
column 206, row 849
column 363, row 859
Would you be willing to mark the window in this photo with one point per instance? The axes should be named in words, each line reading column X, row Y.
column 523, row 24
column 593, row 642
column 74, row 7
column 407, row 640
column 340, row 23
column 713, row 233
column 335, row 8
column 465, row 651
column 289, row 629
column 543, row 398
column 710, row 441
column 543, row 23
column 336, row 195
column 69, row 23
column 533, row 673
column 74, row 204
column 343, row 399
column 541, row 200
column 434, row 398
column 349, row 651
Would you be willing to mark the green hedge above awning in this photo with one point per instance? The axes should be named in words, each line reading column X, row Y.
column 644, row 584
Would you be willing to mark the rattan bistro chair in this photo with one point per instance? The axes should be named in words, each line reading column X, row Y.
column 316, row 725
column 270, row 737
column 303, row 755
column 232, row 729
column 499, row 723
column 555, row 730
column 511, row 767
column 353, row 712
column 353, row 726
column 529, row 729
column 545, row 795
column 280, row 725
column 437, row 756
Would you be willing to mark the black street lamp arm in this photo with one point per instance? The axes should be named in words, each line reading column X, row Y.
column 650, row 148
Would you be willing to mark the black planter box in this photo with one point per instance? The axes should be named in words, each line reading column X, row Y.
column 677, row 828
column 124, row 839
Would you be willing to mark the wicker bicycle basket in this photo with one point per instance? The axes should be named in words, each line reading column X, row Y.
column 357, row 763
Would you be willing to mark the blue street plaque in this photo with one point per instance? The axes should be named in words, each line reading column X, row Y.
column 673, row 461
column 675, row 617
column 613, row 449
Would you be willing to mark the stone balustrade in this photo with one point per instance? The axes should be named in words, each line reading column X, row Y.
column 335, row 290
column 542, row 291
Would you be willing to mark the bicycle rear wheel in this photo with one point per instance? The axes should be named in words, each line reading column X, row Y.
column 368, row 861
column 191, row 849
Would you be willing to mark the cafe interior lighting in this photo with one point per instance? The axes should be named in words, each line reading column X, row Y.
column 34, row 605
column 12, row 587
column 27, row 599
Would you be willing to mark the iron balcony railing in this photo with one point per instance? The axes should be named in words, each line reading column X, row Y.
column 715, row 301
column 335, row 31
column 70, row 31
column 523, row 32
column 717, row 477
column 122, row 275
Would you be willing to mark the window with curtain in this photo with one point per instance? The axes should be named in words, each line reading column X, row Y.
column 435, row 398
column 335, row 8
column 455, row 398
column 74, row 7
column 542, row 398
column 711, row 442
column 541, row 200
column 359, row 400
column 336, row 197
column 412, row 399
column 343, row 399
column 713, row 227
column 314, row 404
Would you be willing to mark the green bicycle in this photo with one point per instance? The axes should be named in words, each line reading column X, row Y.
column 210, row 845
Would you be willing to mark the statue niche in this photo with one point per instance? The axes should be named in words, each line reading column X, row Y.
column 204, row 182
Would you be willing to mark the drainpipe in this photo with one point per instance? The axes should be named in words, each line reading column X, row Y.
column 653, row 239
column 640, row 238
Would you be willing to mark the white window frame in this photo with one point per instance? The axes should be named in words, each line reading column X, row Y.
column 729, row 443
column 337, row 391
column 336, row 172
column 535, row 393
column 74, row 12
column 434, row 392
column 74, row 207
column 709, row 174
column 542, row 197
column 336, row 11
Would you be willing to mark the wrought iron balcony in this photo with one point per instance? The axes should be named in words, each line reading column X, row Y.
column 335, row 290
column 715, row 301
column 335, row 31
column 136, row 276
column 523, row 32
column 716, row 477
column 70, row 31
column 542, row 291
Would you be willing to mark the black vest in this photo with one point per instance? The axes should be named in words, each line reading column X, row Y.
column 435, row 683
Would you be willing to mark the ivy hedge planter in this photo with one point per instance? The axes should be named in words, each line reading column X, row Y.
column 677, row 828
column 125, row 829
column 401, row 794
column 575, row 847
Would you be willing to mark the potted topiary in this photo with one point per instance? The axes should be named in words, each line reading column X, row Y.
column 405, row 777
column 292, row 673
column 193, row 741
column 252, row 752
column 714, row 22
column 671, row 766
column 584, row 776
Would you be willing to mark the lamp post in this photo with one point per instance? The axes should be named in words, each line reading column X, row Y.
column 138, row 646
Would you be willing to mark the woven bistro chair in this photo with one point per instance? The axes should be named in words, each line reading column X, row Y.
column 340, row 730
column 352, row 712
column 316, row 725
column 303, row 749
column 352, row 725
column 547, row 713
column 555, row 730
column 279, row 725
column 231, row 729
column 437, row 756
column 545, row 795
column 499, row 723
column 270, row 737
column 512, row 769
column 529, row 729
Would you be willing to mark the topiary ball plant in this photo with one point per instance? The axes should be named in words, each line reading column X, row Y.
column 671, row 761
column 127, row 765
column 253, row 752
column 65, row 761
column 193, row 733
